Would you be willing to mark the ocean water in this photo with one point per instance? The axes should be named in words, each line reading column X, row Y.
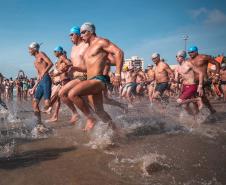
column 152, row 146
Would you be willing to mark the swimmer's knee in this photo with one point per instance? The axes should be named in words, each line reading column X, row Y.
column 62, row 93
column 71, row 96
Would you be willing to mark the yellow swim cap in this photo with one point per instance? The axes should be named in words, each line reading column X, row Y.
column 125, row 68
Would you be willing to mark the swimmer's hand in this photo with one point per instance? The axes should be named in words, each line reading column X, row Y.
column 31, row 91
column 200, row 90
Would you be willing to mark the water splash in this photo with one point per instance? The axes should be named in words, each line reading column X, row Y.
column 101, row 136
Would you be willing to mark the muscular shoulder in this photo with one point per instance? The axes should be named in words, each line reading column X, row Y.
column 164, row 65
column 42, row 54
column 188, row 63
column 204, row 57
column 103, row 41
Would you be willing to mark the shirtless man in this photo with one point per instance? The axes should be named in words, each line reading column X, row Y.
column 19, row 89
column 129, row 89
column 223, row 79
column 150, row 81
column 162, row 73
column 43, row 85
column 78, row 70
column 141, row 82
column 189, row 88
column 11, row 85
column 60, row 78
column 95, row 57
column 201, row 61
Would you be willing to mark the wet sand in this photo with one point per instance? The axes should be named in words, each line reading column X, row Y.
column 158, row 149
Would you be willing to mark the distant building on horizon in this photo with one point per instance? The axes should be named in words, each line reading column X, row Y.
column 135, row 62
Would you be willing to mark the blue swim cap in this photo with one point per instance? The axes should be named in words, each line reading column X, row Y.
column 193, row 49
column 75, row 30
column 59, row 49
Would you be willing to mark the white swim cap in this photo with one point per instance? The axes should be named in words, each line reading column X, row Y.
column 88, row 26
column 155, row 55
column 213, row 67
column 34, row 45
column 181, row 53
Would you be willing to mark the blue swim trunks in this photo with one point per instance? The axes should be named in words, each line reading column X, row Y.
column 161, row 87
column 44, row 88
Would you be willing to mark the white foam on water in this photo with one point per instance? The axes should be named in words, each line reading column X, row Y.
column 11, row 118
column 150, row 159
column 7, row 149
column 202, row 181
column 136, row 168
column 101, row 136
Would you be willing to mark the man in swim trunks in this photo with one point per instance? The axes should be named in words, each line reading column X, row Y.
column 129, row 89
column 162, row 73
column 140, row 81
column 95, row 57
column 150, row 81
column 78, row 70
column 189, row 88
column 201, row 62
column 60, row 78
column 43, row 85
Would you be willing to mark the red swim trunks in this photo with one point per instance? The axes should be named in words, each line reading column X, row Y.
column 188, row 91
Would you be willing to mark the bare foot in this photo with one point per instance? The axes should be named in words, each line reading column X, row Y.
column 47, row 111
column 89, row 124
column 53, row 119
column 74, row 118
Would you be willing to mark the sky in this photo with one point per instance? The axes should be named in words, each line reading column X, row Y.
column 138, row 27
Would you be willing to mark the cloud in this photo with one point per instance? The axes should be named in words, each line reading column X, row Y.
column 207, row 16
column 196, row 13
column 215, row 17
column 167, row 45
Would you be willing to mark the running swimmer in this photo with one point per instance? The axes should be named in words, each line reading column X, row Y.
column 189, row 88
column 200, row 62
column 95, row 57
column 162, row 73
column 60, row 78
column 43, row 85
column 77, row 70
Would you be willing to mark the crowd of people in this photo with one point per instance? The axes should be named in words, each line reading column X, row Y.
column 85, row 81
column 18, row 87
